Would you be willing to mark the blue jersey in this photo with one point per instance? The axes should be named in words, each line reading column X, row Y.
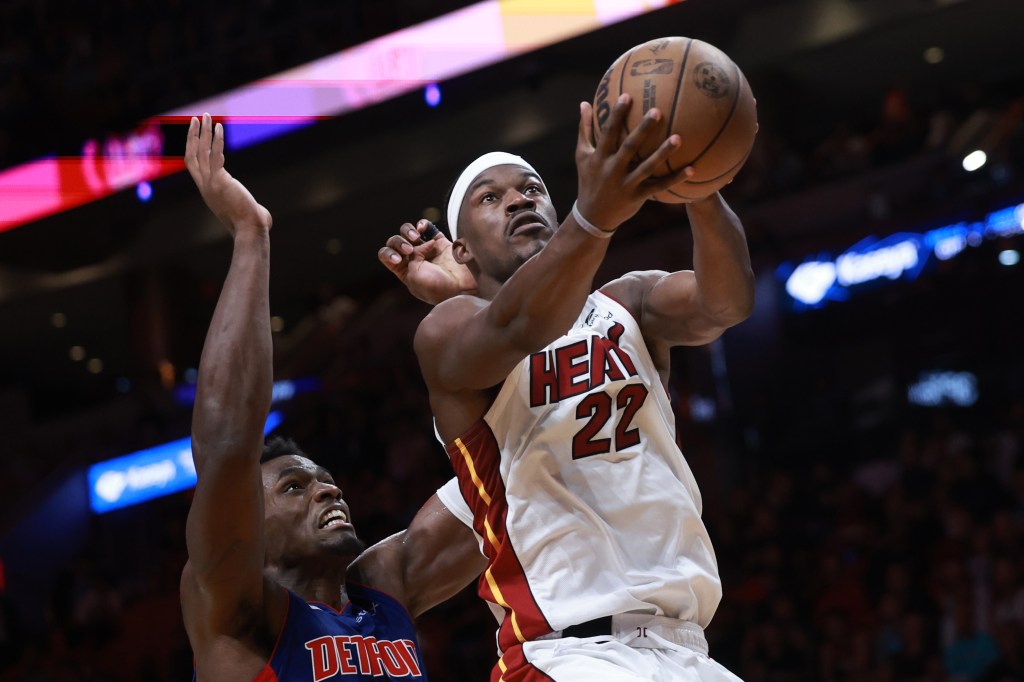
column 371, row 638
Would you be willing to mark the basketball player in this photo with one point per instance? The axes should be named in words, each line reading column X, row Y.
column 551, row 400
column 264, row 593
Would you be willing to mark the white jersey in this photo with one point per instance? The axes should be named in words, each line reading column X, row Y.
column 583, row 502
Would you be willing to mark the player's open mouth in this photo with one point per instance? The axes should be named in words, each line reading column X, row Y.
column 525, row 221
column 333, row 517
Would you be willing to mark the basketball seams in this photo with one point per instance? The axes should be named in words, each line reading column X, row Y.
column 732, row 170
column 719, row 177
column 725, row 124
column 675, row 101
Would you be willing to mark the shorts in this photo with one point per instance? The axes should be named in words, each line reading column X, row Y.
column 656, row 650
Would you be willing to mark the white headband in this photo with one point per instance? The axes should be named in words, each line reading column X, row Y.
column 485, row 162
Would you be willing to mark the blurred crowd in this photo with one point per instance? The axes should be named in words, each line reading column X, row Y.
column 798, row 150
column 905, row 567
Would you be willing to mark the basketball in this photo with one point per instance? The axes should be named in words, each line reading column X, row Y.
column 703, row 97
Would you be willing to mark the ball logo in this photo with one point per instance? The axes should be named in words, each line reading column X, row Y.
column 711, row 80
column 650, row 95
column 651, row 67
column 659, row 46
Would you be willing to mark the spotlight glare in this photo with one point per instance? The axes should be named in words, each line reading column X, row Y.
column 1009, row 257
column 144, row 191
column 975, row 160
column 432, row 95
column 934, row 55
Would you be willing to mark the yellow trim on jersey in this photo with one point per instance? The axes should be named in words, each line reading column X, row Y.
column 496, row 591
column 491, row 537
column 472, row 472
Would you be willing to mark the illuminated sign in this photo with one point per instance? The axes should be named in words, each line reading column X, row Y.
column 147, row 474
column 823, row 279
column 416, row 57
column 944, row 388
column 456, row 43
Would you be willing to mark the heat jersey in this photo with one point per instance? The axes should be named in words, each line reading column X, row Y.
column 372, row 638
column 583, row 502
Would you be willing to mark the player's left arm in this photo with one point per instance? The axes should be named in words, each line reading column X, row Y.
column 425, row 564
column 694, row 307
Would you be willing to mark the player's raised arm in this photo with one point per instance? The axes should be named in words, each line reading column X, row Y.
column 224, row 577
column 693, row 307
column 521, row 311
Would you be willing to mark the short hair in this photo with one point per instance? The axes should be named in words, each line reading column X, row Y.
column 278, row 446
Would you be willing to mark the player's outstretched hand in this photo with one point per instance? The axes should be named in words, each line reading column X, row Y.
column 612, row 184
column 229, row 200
column 421, row 257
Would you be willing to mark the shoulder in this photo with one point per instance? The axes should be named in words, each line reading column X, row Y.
column 438, row 321
column 381, row 566
column 631, row 289
column 434, row 333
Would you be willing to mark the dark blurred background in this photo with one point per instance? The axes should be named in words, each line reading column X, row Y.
column 865, row 530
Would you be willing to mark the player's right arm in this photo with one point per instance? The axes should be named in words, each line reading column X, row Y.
column 429, row 562
column 469, row 343
column 222, row 584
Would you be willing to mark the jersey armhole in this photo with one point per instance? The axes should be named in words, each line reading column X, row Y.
column 450, row 495
column 267, row 672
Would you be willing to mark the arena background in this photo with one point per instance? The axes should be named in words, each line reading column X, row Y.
column 858, row 446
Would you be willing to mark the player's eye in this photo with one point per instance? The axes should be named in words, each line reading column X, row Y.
column 533, row 188
column 292, row 485
column 488, row 197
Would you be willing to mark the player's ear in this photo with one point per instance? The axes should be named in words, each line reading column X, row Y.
column 460, row 252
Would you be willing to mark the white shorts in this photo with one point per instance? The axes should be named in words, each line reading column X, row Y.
column 655, row 652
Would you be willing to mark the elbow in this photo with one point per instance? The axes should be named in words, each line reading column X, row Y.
column 743, row 306
column 742, row 310
column 734, row 311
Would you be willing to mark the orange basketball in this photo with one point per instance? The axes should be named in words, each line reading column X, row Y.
column 704, row 98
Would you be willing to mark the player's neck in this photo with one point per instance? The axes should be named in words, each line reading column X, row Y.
column 488, row 286
column 326, row 585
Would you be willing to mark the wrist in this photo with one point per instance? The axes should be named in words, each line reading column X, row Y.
column 588, row 226
column 705, row 203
